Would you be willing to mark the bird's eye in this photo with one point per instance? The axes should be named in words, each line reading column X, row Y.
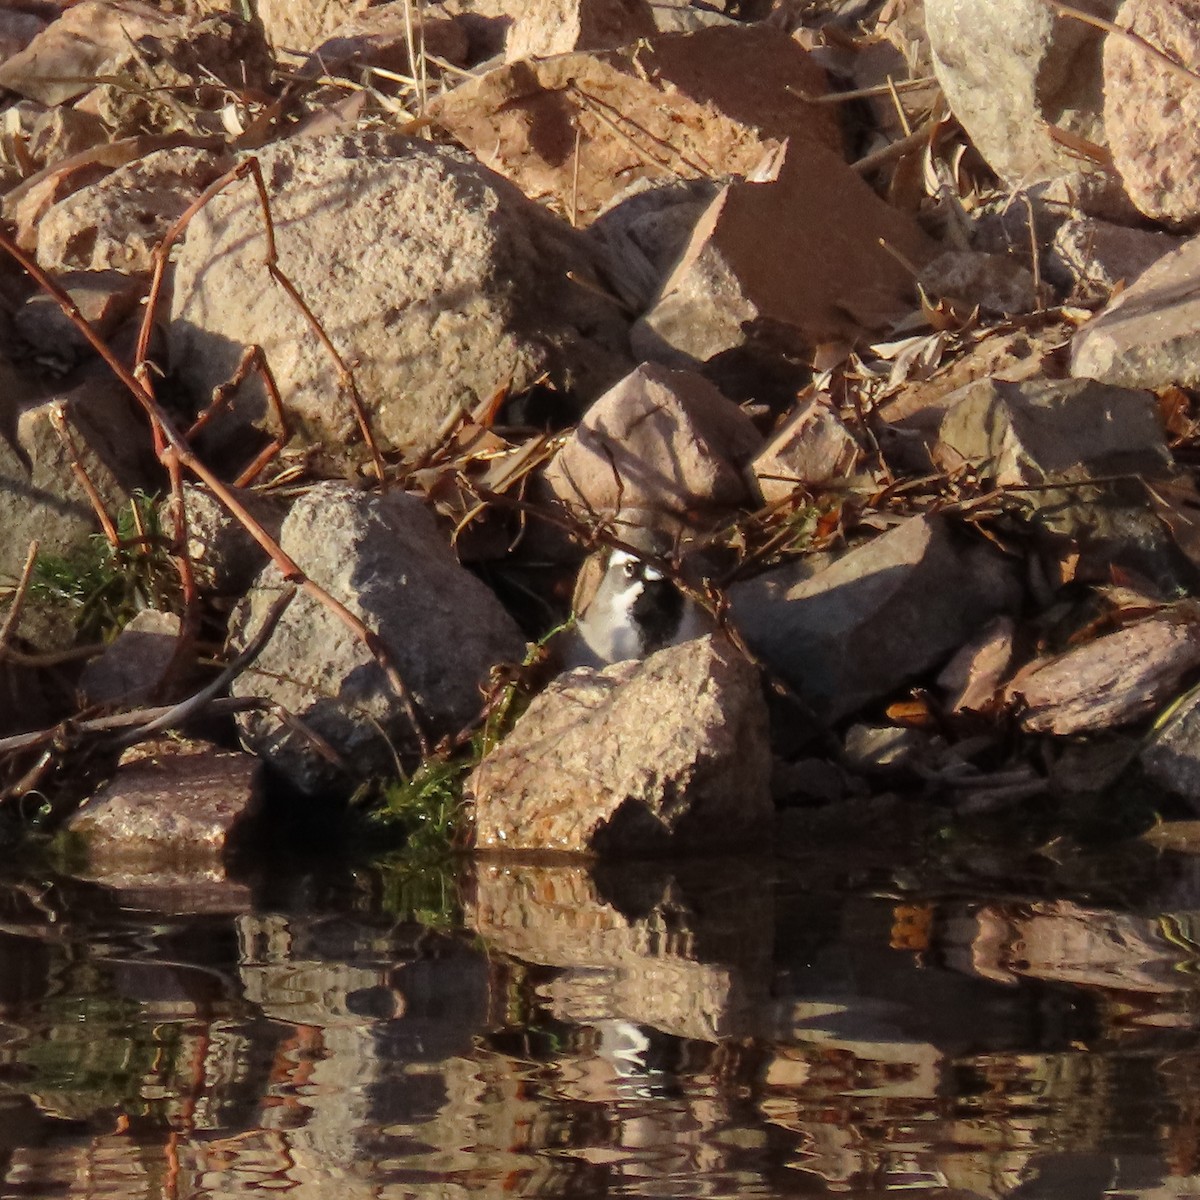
column 631, row 568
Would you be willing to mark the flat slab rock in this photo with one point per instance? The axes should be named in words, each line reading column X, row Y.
column 669, row 754
column 171, row 806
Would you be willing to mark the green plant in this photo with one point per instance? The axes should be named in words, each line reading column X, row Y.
column 107, row 585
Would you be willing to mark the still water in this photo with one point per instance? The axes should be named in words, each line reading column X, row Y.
column 820, row 1023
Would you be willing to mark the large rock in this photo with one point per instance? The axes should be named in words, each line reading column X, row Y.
column 385, row 559
column 1151, row 111
column 437, row 279
column 661, row 440
column 640, row 758
column 701, row 105
column 882, row 614
column 1046, row 68
column 1034, row 431
column 1149, row 336
column 798, row 256
column 1088, row 258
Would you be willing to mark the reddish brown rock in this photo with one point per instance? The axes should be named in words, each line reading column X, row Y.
column 697, row 105
column 544, row 27
column 661, row 440
column 667, row 754
column 1115, row 680
column 171, row 805
column 1151, row 112
column 801, row 251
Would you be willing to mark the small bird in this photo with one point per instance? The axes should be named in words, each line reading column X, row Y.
column 633, row 610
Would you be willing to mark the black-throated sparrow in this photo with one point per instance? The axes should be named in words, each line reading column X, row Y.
column 626, row 607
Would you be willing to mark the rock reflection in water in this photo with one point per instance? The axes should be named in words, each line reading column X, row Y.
column 701, row 1030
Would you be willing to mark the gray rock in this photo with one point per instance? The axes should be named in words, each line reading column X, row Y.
column 1046, row 68
column 667, row 754
column 1089, row 257
column 995, row 284
column 811, row 448
column 105, row 298
column 1035, row 431
column 1172, row 757
column 44, row 498
column 1149, row 336
column 885, row 612
column 437, row 279
column 135, row 664
column 386, row 560
column 661, row 440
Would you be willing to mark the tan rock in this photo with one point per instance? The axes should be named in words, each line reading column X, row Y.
column 662, row 440
column 699, row 105
column 810, row 448
column 1151, row 111
column 104, row 299
column 379, row 37
column 438, row 280
column 544, row 27
column 800, row 251
column 640, row 758
column 301, row 25
column 84, row 42
column 118, row 221
column 1117, row 679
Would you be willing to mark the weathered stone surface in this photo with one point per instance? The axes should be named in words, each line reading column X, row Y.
column 86, row 41
column 385, row 559
column 645, row 230
column 171, row 805
column 810, row 448
column 1047, row 68
column 44, row 500
column 883, row 613
column 971, row 680
column 544, row 27
column 1172, row 757
column 104, row 298
column 1088, row 257
column 668, row 754
column 1035, row 431
column 224, row 557
column 1115, row 680
column 604, row 936
column 996, row 284
column 429, row 273
column 660, row 439
column 701, row 105
column 1149, row 336
column 821, row 274
column 1150, row 111
column 133, row 667
column 117, row 222
column 61, row 132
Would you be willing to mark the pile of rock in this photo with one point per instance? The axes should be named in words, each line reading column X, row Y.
column 600, row 267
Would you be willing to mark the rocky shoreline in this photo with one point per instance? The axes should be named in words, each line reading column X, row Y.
column 333, row 341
